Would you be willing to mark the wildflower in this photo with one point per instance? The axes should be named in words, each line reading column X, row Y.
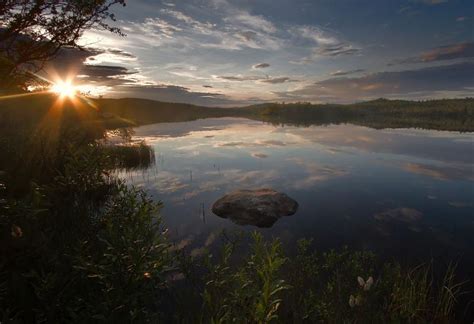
column 16, row 231
column 352, row 301
column 366, row 285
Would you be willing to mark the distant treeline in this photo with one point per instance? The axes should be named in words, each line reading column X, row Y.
column 445, row 114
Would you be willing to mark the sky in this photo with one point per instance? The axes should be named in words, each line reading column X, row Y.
column 242, row 52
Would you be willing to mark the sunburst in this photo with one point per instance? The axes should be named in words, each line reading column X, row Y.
column 64, row 89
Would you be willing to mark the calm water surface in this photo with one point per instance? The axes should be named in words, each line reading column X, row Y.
column 400, row 192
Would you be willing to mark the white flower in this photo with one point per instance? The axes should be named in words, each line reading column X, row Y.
column 16, row 231
column 366, row 285
column 352, row 301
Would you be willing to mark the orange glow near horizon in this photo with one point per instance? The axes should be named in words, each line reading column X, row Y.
column 64, row 89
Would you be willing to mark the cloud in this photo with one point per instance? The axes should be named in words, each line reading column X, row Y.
column 447, row 52
column 260, row 79
column 401, row 214
column 325, row 44
column 202, row 27
column 277, row 80
column 336, row 50
column 237, row 30
column 240, row 78
column 343, row 73
column 243, row 18
column 259, row 155
column 260, row 66
column 430, row 2
column 109, row 56
column 414, row 83
column 170, row 93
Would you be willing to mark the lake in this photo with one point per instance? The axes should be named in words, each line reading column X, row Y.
column 399, row 192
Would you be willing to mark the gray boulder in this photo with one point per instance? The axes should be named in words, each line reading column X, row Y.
column 259, row 207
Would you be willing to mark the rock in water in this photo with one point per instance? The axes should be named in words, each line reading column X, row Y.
column 259, row 207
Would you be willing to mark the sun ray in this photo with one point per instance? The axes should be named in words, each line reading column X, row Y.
column 23, row 95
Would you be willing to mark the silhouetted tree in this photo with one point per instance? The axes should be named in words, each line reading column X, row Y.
column 34, row 31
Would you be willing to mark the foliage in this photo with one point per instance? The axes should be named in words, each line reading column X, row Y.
column 130, row 156
column 32, row 32
column 249, row 293
column 323, row 283
column 79, row 245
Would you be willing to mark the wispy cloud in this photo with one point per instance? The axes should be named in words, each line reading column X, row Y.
column 454, row 77
column 325, row 44
column 343, row 73
column 260, row 66
column 441, row 53
column 430, row 2
column 261, row 79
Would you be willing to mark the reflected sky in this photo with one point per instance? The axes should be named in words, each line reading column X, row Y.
column 355, row 186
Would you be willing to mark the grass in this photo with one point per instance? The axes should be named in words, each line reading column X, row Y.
column 130, row 156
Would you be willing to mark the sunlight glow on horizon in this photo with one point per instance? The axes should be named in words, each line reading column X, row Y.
column 64, row 89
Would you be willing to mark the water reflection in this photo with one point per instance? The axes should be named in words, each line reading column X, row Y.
column 353, row 183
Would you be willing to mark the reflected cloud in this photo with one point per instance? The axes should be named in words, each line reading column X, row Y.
column 264, row 143
column 401, row 214
column 434, row 145
column 460, row 204
column 441, row 172
column 259, row 155
column 315, row 173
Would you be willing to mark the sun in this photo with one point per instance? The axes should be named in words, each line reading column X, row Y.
column 64, row 89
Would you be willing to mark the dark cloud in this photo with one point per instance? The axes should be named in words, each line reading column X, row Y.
column 71, row 58
column 261, row 66
column 207, row 86
column 247, row 35
column 337, row 50
column 343, row 73
column 277, row 80
column 447, row 52
column 263, row 79
column 104, row 71
column 119, row 52
column 241, row 78
column 454, row 77
column 171, row 93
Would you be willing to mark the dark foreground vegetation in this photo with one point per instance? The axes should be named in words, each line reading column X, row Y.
column 79, row 245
